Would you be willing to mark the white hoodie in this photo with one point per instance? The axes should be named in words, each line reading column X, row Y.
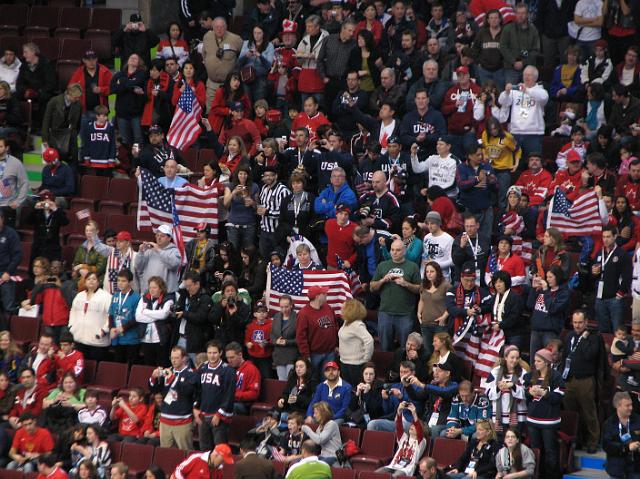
column 527, row 109
column 9, row 73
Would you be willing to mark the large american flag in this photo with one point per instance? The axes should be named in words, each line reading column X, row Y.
column 479, row 344
column 186, row 207
column 578, row 218
column 185, row 125
column 296, row 283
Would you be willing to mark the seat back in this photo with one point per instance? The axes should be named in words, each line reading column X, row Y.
column 75, row 17
column 49, row 47
column 378, row 443
column 447, row 451
column 168, row 458
column 373, row 475
column 94, row 187
column 116, row 451
column 272, row 390
column 569, row 423
column 11, row 474
column 100, row 42
column 123, row 189
column 240, row 426
column 139, row 376
column 24, row 330
column 17, row 15
column 342, row 473
column 111, row 374
column 353, row 433
column 118, row 222
column 65, row 70
column 106, row 19
column 137, row 456
column 90, row 366
column 74, row 48
column 44, row 16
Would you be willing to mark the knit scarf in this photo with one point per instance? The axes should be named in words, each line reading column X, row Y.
column 513, row 414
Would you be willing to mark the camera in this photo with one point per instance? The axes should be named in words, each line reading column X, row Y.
column 52, row 279
column 364, row 212
column 387, row 387
column 231, row 302
column 220, row 53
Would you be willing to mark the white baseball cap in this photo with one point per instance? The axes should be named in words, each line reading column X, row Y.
column 165, row 229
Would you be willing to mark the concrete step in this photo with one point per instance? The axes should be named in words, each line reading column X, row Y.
column 590, row 466
column 587, row 474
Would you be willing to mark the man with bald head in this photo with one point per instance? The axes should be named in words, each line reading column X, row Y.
column 380, row 208
column 397, row 281
column 388, row 92
column 431, row 82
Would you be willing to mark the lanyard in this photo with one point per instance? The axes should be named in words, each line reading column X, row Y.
column 604, row 262
column 474, row 249
column 121, row 301
column 297, row 205
column 300, row 157
column 573, row 348
column 628, row 427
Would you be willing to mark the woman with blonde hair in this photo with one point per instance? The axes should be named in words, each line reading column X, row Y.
column 355, row 343
column 479, row 459
column 552, row 252
column 86, row 258
column 327, row 435
column 10, row 356
column 444, row 352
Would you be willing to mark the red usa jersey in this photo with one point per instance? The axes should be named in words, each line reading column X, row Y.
column 196, row 466
column 310, row 123
column 536, row 185
column 631, row 189
column 569, row 184
column 72, row 362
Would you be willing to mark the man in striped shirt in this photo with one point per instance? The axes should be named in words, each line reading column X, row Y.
column 271, row 195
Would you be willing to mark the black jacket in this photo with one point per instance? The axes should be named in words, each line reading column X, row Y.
column 619, row 461
column 616, row 274
column 46, row 233
column 137, row 42
column 254, row 279
column 303, row 397
column 461, row 255
column 422, row 373
column 128, row 103
column 10, row 114
column 437, row 399
column 153, row 158
column 552, row 21
column 42, row 79
column 485, row 458
column 226, row 327
column 369, row 403
column 584, row 358
column 196, row 313
column 513, row 324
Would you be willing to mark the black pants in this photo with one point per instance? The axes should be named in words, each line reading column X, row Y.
column 331, row 90
column 95, row 353
column 351, row 373
column 155, row 354
column 126, row 353
column 210, row 435
column 546, row 439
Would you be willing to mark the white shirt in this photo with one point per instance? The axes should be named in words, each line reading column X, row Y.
column 441, row 171
column 587, row 9
column 527, row 109
column 438, row 249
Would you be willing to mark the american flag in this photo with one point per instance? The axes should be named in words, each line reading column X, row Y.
column 578, row 218
column 296, row 283
column 479, row 344
column 185, row 127
column 354, row 278
column 187, row 206
column 7, row 188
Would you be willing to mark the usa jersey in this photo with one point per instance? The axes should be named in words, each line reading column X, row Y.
column 99, row 145
column 216, row 389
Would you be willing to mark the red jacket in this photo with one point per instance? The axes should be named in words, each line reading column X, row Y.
column 45, row 370
column 57, row 473
column 460, row 122
column 377, row 29
column 247, row 382
column 246, row 130
column 73, row 363
column 535, row 185
column 196, row 466
column 104, row 80
column 479, row 9
column 29, row 401
column 127, row 426
column 569, row 184
column 310, row 123
column 259, row 337
column 340, row 242
column 147, row 115
column 199, row 90
column 149, row 422
column 445, row 207
column 220, row 109
column 55, row 310
column 316, row 330
column 631, row 189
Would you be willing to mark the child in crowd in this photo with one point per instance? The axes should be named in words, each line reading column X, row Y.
column 267, row 434
column 130, row 415
column 99, row 144
column 626, row 157
column 68, row 359
column 92, row 413
column 622, row 349
column 291, row 441
column 257, row 340
column 577, row 144
column 151, row 427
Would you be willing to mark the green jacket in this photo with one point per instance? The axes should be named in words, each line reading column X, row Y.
column 97, row 263
column 310, row 467
column 518, row 43
column 55, row 118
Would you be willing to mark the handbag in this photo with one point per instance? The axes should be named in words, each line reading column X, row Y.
column 60, row 139
column 248, row 74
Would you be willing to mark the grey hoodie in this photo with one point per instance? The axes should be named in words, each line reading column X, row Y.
column 15, row 182
column 164, row 263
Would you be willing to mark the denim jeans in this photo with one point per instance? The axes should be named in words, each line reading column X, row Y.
column 529, row 144
column 130, row 130
column 318, row 360
column 388, row 425
column 392, row 325
column 485, row 75
column 546, row 439
column 8, row 296
column 428, row 331
column 504, row 182
column 267, row 243
column 512, row 76
column 539, row 340
column 241, row 236
column 283, row 371
column 609, row 314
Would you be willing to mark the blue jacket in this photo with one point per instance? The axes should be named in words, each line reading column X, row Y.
column 62, row 183
column 124, row 315
column 10, row 250
column 338, row 399
column 390, row 406
column 325, row 204
column 475, row 199
column 619, row 461
column 556, row 83
column 549, row 310
column 466, row 416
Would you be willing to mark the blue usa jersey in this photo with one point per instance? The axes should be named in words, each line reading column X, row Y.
column 216, row 390
column 99, row 145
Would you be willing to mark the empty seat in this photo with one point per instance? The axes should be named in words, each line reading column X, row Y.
column 167, row 458
column 190, row 158
column 74, row 48
column 207, row 155
column 271, row 392
column 122, row 192
column 106, row 19
column 92, row 189
column 65, row 70
column 120, row 222
column 73, row 21
column 26, row 255
column 68, row 252
column 350, row 433
column 49, row 47
column 13, row 43
column 109, row 377
column 90, row 366
column 373, row 475
column 138, row 378
column 342, row 473
column 24, row 330
column 116, row 451
column 44, row 16
column 14, row 15
column 138, row 457
column 447, row 451
column 100, row 42
column 240, row 426
column 377, row 450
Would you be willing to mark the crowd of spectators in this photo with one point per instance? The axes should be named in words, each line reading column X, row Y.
column 421, row 147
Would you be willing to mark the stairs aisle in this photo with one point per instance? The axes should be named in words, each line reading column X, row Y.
column 591, row 466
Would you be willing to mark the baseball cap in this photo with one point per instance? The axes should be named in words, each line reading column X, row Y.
column 236, row 106
column 225, row 452
column 446, row 366
column 331, row 364
column 602, row 43
column 89, row 54
column 135, row 17
column 343, row 207
column 165, row 229
column 269, row 169
column 260, row 305
column 123, row 236
column 462, row 70
column 573, row 156
column 315, row 291
column 393, row 139
column 155, row 129
column 50, row 155
column 203, row 227
column 468, row 270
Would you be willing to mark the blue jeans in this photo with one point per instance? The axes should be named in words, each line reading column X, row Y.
column 130, row 130
column 387, row 425
column 267, row 243
column 485, row 220
column 609, row 314
column 459, row 143
column 504, row 182
column 539, row 340
column 318, row 360
column 485, row 75
column 529, row 144
column 428, row 332
column 389, row 325
column 8, row 296
column 512, row 76
column 241, row 236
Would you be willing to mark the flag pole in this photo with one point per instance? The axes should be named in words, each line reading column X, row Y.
column 550, row 209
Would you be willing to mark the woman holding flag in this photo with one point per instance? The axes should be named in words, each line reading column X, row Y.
column 189, row 80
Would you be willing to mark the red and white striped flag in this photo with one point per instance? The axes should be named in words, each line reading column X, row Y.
column 296, row 283
column 185, row 125
column 193, row 205
column 476, row 342
column 578, row 218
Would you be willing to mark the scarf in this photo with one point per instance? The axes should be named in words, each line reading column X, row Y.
column 513, row 413
column 407, row 241
column 116, row 263
column 592, row 114
column 498, row 306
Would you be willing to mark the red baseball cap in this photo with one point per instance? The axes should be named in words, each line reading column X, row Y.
column 331, row 364
column 225, row 452
column 573, row 156
column 123, row 236
column 50, row 155
column 462, row 70
column 315, row 291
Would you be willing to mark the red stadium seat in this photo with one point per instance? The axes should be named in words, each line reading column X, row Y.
column 74, row 48
column 373, row 475
column 65, row 70
column 12, row 43
column 11, row 474
column 44, row 16
column 271, row 392
column 342, row 473
column 138, row 378
column 116, row 451
column 109, row 378
column 14, row 16
column 24, row 330
column 49, row 47
column 106, row 19
column 568, row 436
column 207, row 155
column 190, row 158
column 92, row 189
column 447, row 451
column 122, row 223
column 73, row 21
column 240, row 426
column 350, row 433
column 122, row 192
column 100, row 42
column 377, row 450
column 9, row 30
column 138, row 457
column 167, row 458
column 90, row 366
column 23, row 267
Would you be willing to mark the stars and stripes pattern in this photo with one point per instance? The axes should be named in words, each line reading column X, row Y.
column 177, row 234
column 354, row 278
column 578, row 218
column 477, row 343
column 7, row 188
column 185, row 125
column 188, row 206
column 296, row 283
